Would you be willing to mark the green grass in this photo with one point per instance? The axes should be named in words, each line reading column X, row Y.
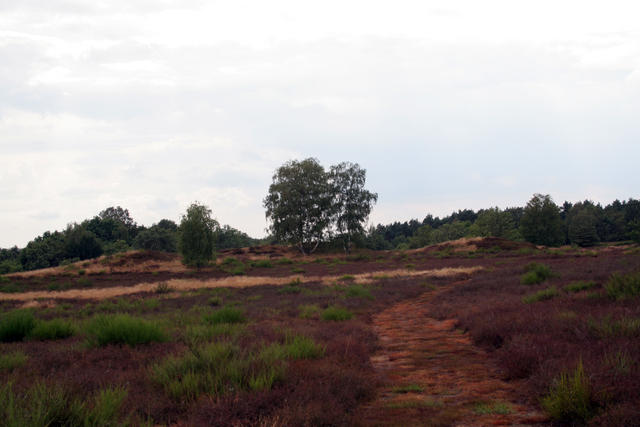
column 11, row 361
column 347, row 278
column 302, row 347
column 52, row 405
column 293, row 287
column 215, row 301
column 262, row 263
column 218, row 368
column 10, row 288
column 123, row 329
column 284, row 261
column 310, row 311
column 54, row 329
column 569, row 398
column 84, row 282
column 225, row 315
column 580, row 286
column 410, row 404
column 409, row 388
column 335, row 313
column 358, row 291
column 162, row 288
column 16, row 325
column 543, row 295
column 535, row 273
column 198, row 334
column 297, row 270
column 623, row 286
column 499, row 408
column 607, row 327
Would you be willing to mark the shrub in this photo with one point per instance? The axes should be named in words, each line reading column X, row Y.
column 52, row 330
column 163, row 288
column 535, row 273
column 358, row 291
column 16, row 325
column 542, row 295
column 336, row 313
column 123, row 329
column 225, row 315
column 580, row 286
column 623, row 286
column 11, row 361
column 569, row 399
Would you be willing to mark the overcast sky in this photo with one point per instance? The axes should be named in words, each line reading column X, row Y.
column 453, row 104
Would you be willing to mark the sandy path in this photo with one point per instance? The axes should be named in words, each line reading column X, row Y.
column 434, row 375
column 233, row 281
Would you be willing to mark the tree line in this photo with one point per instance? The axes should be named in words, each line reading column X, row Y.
column 541, row 222
column 109, row 232
column 310, row 207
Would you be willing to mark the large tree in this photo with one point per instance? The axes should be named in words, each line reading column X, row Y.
column 299, row 204
column 197, row 235
column 352, row 204
column 541, row 223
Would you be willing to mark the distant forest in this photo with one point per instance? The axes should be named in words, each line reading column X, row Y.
column 541, row 221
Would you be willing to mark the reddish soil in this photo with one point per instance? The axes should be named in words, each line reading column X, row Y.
column 434, row 375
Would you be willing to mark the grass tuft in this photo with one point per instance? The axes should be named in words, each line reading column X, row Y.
column 123, row 329
column 358, row 291
column 535, row 273
column 11, row 361
column 16, row 325
column 225, row 315
column 580, row 286
column 335, row 313
column 54, row 329
column 310, row 311
column 569, row 399
column 623, row 286
column 543, row 295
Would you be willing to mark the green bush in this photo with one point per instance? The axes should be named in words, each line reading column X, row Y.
column 336, row 313
column 535, row 273
column 225, row 315
column 11, row 361
column 16, row 324
column 580, row 286
column 262, row 263
column 52, row 330
column 542, row 295
column 123, row 329
column 623, row 286
column 569, row 399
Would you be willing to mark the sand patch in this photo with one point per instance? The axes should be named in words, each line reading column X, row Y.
column 228, row 282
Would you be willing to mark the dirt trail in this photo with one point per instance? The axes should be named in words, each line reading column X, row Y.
column 435, row 376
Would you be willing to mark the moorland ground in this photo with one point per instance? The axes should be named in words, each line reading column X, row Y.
column 475, row 332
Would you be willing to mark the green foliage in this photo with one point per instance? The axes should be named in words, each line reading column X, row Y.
column 156, row 239
column 225, row 315
column 16, row 325
column 197, row 235
column 569, row 399
column 123, row 329
column 10, row 287
column 607, row 327
column 358, row 291
column 497, row 223
column 541, row 223
column 52, row 405
column 11, row 361
column 543, row 295
column 218, row 368
column 535, row 273
column 310, row 311
column 52, row 330
column 81, row 243
column 335, row 313
column 262, row 263
column 623, row 286
column 228, row 237
column 284, row 261
column 347, row 278
column 302, row 347
column 10, row 266
column 580, row 286
column 582, row 226
column 351, row 204
column 299, row 204
column 499, row 408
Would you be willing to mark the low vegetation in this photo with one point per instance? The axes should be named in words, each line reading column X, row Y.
column 123, row 329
